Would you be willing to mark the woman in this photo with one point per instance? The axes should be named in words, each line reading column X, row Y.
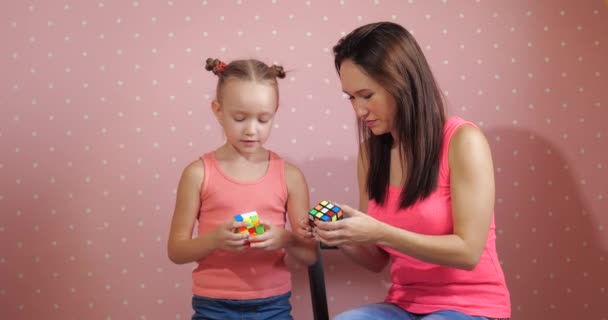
column 426, row 182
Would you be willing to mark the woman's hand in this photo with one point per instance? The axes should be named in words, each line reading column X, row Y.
column 356, row 228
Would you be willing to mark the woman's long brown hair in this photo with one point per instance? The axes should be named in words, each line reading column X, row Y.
column 389, row 54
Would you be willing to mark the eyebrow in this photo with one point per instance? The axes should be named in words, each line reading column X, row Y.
column 358, row 91
column 249, row 113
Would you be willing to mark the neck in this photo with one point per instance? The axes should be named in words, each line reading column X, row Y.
column 229, row 152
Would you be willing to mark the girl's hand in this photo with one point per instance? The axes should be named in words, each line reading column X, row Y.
column 273, row 238
column 225, row 237
column 304, row 230
column 356, row 228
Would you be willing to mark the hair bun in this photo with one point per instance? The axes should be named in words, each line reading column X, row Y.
column 215, row 65
column 279, row 71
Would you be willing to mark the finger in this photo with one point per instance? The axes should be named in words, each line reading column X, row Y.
column 236, row 225
column 261, row 244
column 305, row 236
column 304, row 228
column 328, row 242
column 305, row 233
column 309, row 237
column 267, row 225
column 233, row 227
column 330, row 225
column 304, row 222
column 332, row 243
column 236, row 243
column 236, row 236
column 349, row 211
column 328, row 235
column 260, row 237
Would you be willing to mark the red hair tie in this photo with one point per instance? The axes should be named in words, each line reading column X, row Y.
column 219, row 68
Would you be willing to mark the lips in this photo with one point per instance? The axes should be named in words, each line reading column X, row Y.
column 248, row 142
column 370, row 123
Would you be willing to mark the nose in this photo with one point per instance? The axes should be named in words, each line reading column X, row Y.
column 250, row 128
column 360, row 108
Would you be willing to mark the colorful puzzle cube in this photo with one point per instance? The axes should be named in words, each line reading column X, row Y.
column 253, row 226
column 324, row 211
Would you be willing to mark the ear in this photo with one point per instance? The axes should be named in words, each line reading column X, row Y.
column 216, row 107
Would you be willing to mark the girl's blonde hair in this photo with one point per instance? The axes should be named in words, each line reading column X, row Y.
column 250, row 69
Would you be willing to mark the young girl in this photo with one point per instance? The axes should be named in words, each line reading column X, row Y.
column 241, row 277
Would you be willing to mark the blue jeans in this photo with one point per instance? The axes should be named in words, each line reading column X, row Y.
column 390, row 311
column 277, row 307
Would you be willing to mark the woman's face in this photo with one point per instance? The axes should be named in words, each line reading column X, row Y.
column 371, row 102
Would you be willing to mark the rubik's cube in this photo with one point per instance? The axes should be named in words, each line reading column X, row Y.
column 324, row 211
column 253, row 226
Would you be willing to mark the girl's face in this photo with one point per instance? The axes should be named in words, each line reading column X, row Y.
column 246, row 113
column 371, row 102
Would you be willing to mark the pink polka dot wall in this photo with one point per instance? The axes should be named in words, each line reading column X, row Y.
column 104, row 102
